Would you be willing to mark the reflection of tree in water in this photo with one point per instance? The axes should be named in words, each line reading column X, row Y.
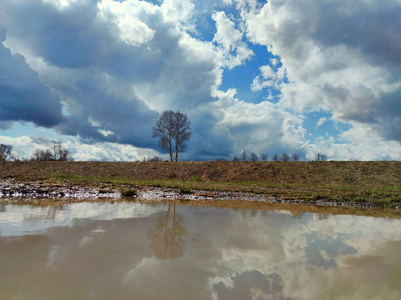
column 246, row 212
column 297, row 214
column 52, row 211
column 168, row 235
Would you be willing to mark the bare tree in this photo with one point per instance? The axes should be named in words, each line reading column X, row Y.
column 168, row 235
column 42, row 155
column 320, row 157
column 155, row 159
column 264, row 157
column 276, row 157
column 221, row 159
column 59, row 152
column 295, row 157
column 5, row 151
column 235, row 158
column 55, row 152
column 253, row 157
column 285, row 157
column 244, row 156
column 173, row 130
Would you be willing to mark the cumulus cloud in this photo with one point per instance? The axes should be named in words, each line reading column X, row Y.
column 102, row 70
column 229, row 40
column 270, row 77
column 23, row 96
column 127, row 16
column 273, row 129
column 120, row 80
column 358, row 143
column 339, row 57
column 321, row 121
column 23, row 148
column 248, row 253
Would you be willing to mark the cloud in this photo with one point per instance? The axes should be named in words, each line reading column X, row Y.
column 248, row 253
column 127, row 17
column 102, row 70
column 229, row 41
column 272, row 77
column 273, row 130
column 112, row 80
column 338, row 57
column 23, row 96
column 24, row 147
column 321, row 121
column 358, row 143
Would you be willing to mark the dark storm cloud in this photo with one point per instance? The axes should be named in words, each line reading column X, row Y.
column 97, row 74
column 22, row 96
column 96, row 108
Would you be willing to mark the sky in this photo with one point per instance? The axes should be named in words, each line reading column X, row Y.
column 270, row 77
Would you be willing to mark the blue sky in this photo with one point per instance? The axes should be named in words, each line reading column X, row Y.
column 261, row 76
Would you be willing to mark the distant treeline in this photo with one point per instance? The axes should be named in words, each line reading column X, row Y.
column 253, row 157
column 56, row 152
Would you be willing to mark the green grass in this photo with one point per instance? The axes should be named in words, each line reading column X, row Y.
column 383, row 196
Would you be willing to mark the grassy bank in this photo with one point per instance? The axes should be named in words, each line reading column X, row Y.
column 376, row 195
column 378, row 183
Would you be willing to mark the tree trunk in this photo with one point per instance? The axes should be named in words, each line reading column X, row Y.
column 170, row 149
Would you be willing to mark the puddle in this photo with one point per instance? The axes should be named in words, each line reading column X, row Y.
column 170, row 251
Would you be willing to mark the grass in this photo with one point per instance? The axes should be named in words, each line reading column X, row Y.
column 376, row 183
column 383, row 196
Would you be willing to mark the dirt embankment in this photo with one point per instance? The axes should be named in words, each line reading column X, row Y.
column 310, row 173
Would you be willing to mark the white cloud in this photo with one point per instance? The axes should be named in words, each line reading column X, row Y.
column 269, row 78
column 229, row 40
column 349, row 68
column 127, row 17
column 178, row 12
column 24, row 146
column 226, row 35
column 112, row 66
column 358, row 143
column 273, row 129
column 321, row 121
column 113, row 85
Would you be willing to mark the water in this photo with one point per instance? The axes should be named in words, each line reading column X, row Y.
column 142, row 251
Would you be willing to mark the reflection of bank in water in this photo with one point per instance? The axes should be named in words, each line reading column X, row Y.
column 168, row 235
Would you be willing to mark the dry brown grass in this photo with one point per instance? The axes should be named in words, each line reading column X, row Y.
column 315, row 173
column 376, row 183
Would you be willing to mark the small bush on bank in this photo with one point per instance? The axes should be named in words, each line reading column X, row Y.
column 129, row 193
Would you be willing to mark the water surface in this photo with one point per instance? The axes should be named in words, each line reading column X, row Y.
column 142, row 251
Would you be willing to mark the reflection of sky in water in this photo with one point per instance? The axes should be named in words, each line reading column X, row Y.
column 23, row 220
column 321, row 252
column 138, row 251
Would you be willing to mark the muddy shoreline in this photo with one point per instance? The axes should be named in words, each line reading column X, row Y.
column 15, row 191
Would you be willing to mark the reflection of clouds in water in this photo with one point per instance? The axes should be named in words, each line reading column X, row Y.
column 154, row 278
column 253, row 285
column 22, row 220
column 52, row 255
column 307, row 254
column 91, row 237
column 356, row 277
column 224, row 254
